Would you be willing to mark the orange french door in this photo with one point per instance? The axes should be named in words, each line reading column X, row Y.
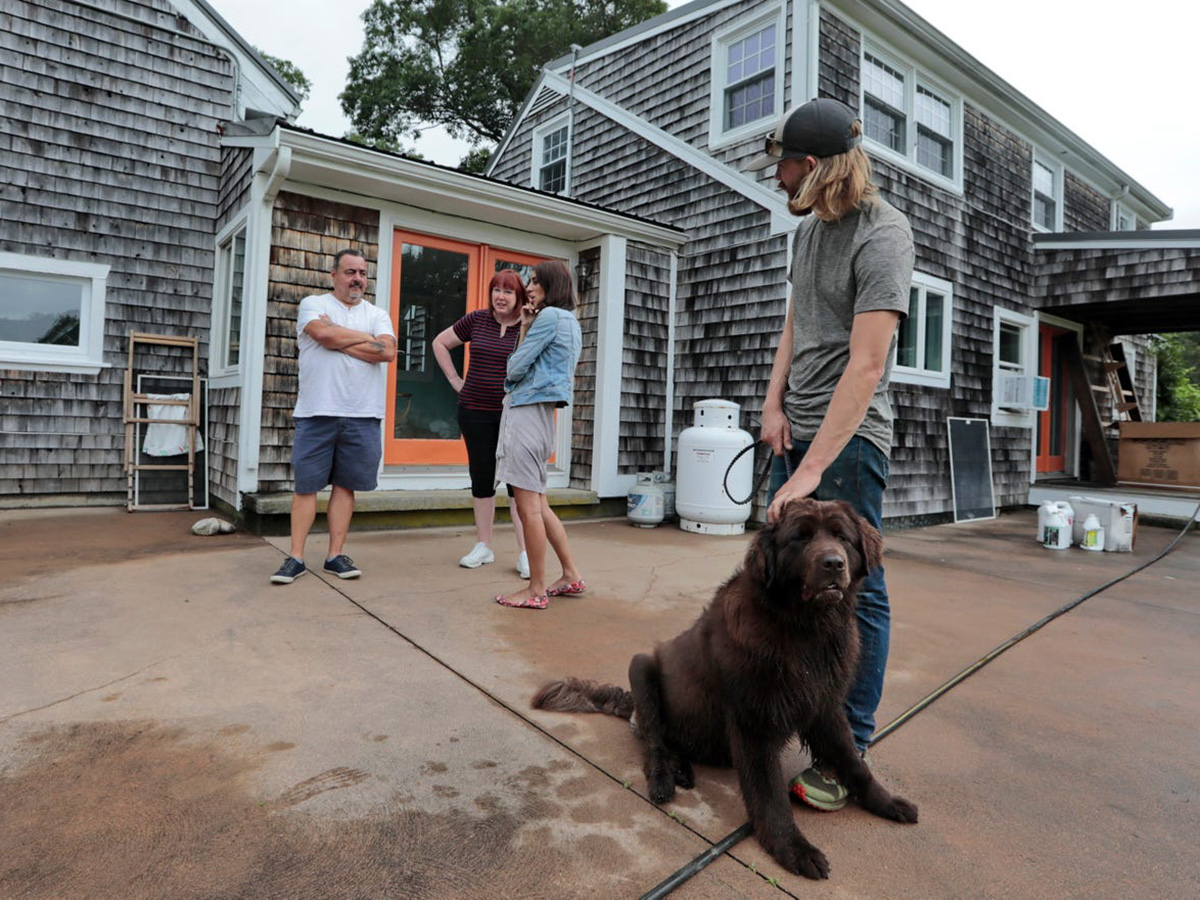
column 1052, row 422
column 435, row 281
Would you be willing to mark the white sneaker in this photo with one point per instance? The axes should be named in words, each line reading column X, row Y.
column 523, row 564
column 479, row 556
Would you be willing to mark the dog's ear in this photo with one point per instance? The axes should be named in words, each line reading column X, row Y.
column 762, row 557
column 870, row 545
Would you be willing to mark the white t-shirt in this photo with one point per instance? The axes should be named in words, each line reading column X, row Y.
column 333, row 383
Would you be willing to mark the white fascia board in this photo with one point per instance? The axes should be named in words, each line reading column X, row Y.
column 782, row 221
column 370, row 173
column 900, row 27
column 262, row 86
column 1145, row 240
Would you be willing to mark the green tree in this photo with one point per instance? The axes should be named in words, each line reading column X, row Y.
column 290, row 73
column 466, row 64
column 1178, row 395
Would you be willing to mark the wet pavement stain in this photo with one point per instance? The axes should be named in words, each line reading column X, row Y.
column 137, row 811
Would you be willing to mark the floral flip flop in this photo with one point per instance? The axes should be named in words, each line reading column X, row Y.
column 539, row 602
column 568, row 590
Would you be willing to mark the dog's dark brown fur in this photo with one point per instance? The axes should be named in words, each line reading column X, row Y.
column 771, row 658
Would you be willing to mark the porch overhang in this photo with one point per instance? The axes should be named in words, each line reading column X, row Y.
column 1129, row 282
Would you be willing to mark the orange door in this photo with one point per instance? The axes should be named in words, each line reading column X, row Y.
column 435, row 281
column 1052, row 423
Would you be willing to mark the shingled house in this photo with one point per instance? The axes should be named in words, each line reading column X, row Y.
column 1033, row 250
column 154, row 184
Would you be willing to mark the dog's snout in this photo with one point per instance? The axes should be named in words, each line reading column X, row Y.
column 832, row 562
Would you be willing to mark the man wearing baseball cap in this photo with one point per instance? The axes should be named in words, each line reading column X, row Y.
column 827, row 413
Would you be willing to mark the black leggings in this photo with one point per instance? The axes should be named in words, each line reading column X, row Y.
column 481, row 431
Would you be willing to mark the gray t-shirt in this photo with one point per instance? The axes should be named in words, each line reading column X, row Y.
column 861, row 263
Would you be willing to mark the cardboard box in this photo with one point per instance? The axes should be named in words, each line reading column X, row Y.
column 1117, row 517
column 1159, row 453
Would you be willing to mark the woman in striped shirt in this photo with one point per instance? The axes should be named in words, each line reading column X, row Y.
column 493, row 334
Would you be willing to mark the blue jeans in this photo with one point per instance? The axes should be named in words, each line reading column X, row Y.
column 858, row 476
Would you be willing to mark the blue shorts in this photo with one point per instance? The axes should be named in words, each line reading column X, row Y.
column 336, row 450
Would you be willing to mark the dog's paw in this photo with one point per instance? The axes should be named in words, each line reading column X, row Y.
column 684, row 777
column 902, row 811
column 662, row 786
column 801, row 858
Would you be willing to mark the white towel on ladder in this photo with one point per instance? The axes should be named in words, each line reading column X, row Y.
column 163, row 438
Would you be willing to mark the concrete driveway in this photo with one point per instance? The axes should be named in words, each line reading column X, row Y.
column 173, row 726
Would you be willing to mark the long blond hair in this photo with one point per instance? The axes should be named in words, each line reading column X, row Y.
column 837, row 185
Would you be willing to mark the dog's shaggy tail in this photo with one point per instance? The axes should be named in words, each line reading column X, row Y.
column 578, row 696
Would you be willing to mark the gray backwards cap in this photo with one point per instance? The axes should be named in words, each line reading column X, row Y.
column 817, row 128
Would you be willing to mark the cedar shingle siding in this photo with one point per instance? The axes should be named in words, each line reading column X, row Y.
column 110, row 156
column 731, row 273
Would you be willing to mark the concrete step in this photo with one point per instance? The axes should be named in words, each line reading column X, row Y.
column 269, row 514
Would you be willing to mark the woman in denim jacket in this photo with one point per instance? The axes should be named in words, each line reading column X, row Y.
column 540, row 375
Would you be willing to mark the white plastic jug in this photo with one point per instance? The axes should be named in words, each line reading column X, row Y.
column 1068, row 511
column 1043, row 514
column 1058, row 530
column 1093, row 534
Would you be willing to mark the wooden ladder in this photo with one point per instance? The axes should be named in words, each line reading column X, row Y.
column 1120, row 382
column 136, row 403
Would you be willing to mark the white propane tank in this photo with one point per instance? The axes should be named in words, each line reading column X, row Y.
column 705, row 453
column 645, row 506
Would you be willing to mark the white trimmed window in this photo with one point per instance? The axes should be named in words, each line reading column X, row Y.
column 1123, row 218
column 1047, row 194
column 910, row 118
column 51, row 314
column 1014, row 365
column 747, row 79
column 923, row 342
column 551, row 156
column 227, row 300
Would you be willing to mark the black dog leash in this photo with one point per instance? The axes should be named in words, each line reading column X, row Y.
column 762, row 477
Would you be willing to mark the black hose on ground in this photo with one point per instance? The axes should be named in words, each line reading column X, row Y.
column 726, row 843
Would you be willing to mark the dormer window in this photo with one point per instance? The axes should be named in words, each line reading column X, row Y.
column 747, row 79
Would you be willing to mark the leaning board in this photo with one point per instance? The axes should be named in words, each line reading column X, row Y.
column 971, row 469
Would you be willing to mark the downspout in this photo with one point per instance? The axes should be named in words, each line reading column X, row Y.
column 575, row 48
column 669, row 420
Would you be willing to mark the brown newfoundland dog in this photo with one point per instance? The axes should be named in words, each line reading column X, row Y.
column 771, row 658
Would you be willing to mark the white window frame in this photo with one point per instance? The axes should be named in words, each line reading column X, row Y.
column 88, row 356
column 919, row 374
column 718, row 136
column 218, row 346
column 1003, row 415
column 1056, row 170
column 539, row 135
column 914, row 78
column 1119, row 210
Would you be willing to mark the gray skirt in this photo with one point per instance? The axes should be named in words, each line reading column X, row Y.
column 525, row 445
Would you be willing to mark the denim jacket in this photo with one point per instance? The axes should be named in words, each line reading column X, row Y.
column 542, row 368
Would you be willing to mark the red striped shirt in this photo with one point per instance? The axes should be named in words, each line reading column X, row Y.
column 483, row 385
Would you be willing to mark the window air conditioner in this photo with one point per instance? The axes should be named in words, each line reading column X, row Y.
column 1022, row 391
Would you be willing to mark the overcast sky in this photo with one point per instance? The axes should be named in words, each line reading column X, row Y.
column 1121, row 75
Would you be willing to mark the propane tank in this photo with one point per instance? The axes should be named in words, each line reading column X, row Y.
column 645, row 506
column 706, row 451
